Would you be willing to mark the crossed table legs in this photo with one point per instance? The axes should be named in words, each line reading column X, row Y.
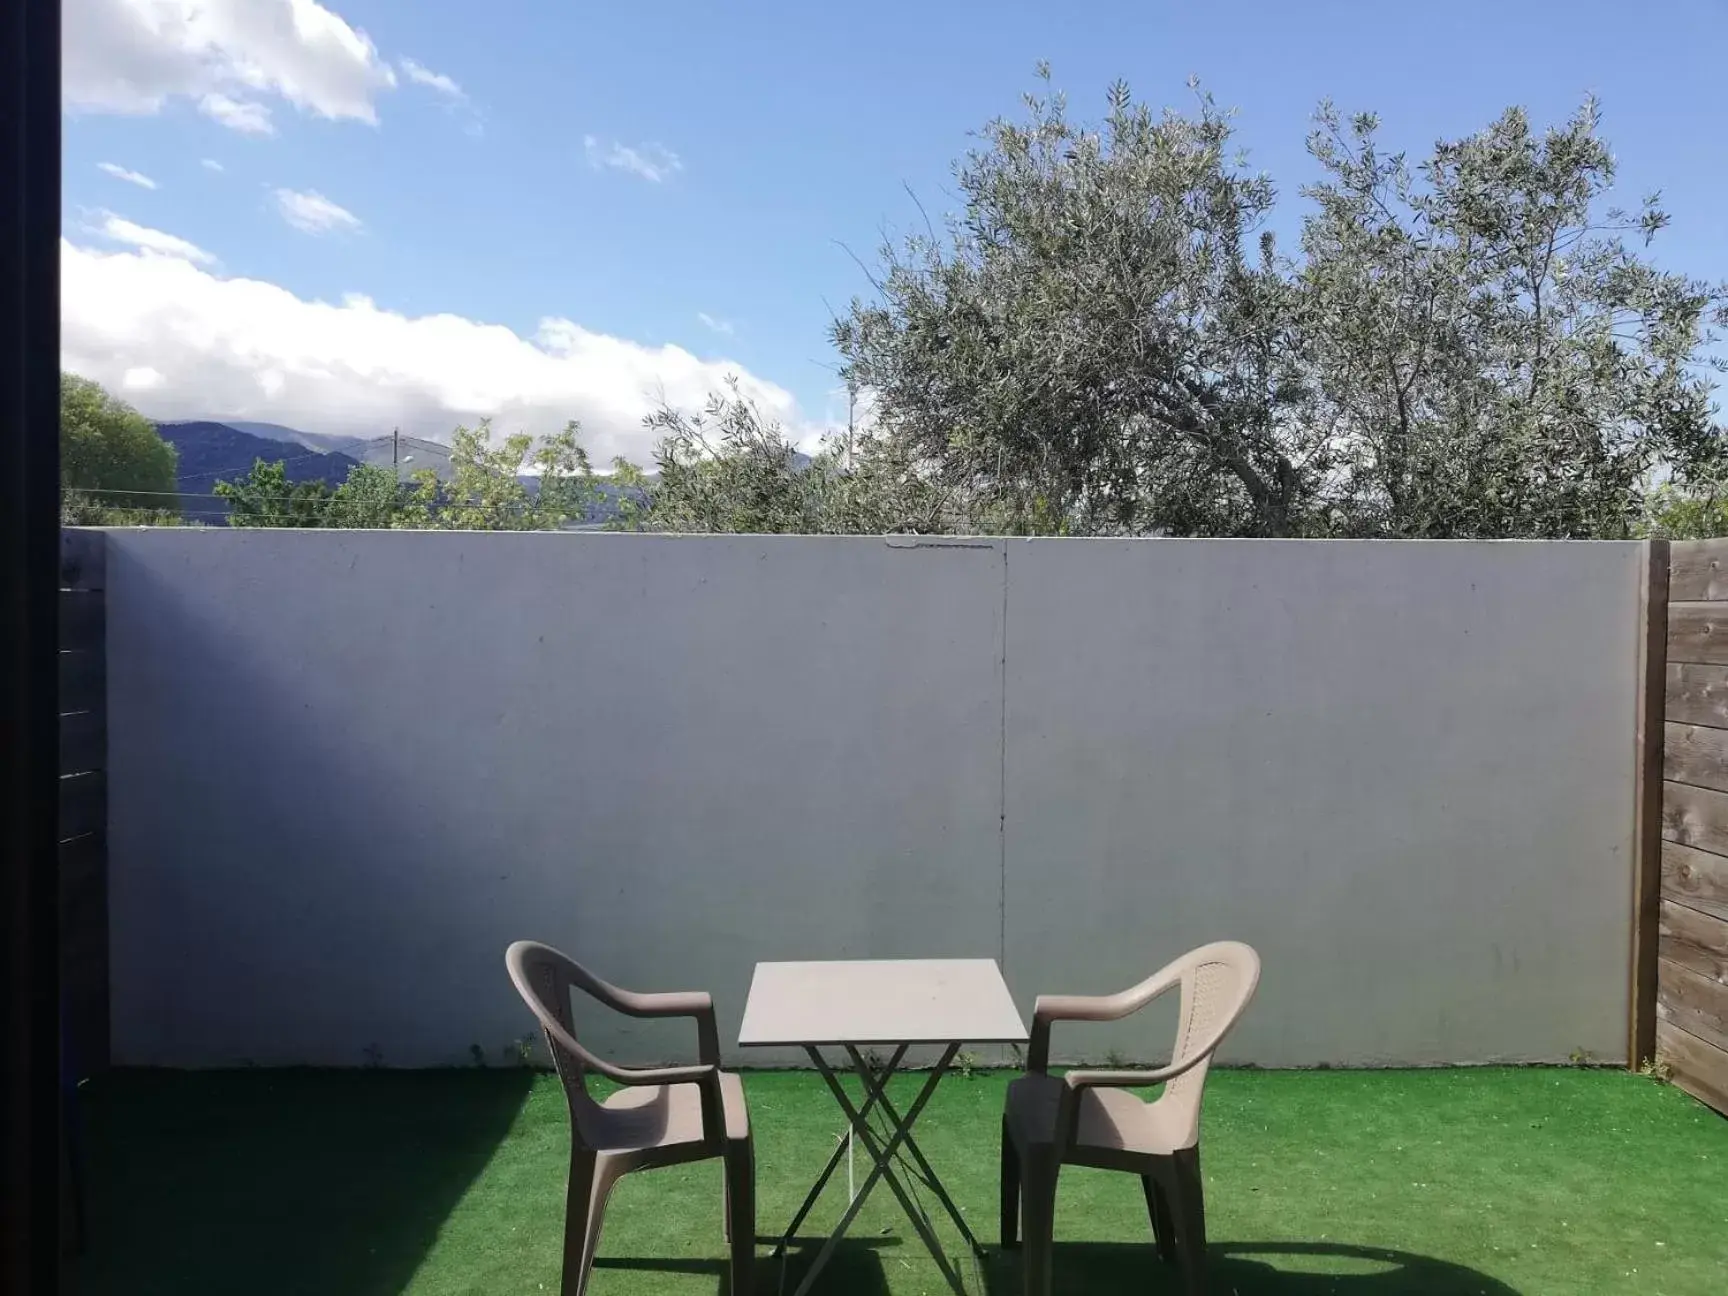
column 875, row 1081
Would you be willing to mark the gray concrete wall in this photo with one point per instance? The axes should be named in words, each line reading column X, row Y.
column 1403, row 772
column 348, row 768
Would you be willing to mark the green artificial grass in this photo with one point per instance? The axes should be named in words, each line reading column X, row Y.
column 1490, row 1180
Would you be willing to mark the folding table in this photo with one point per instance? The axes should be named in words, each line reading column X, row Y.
column 860, row 1005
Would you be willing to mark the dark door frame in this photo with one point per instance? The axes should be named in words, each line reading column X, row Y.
column 29, row 565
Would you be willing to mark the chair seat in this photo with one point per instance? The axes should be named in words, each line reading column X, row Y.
column 641, row 1117
column 1111, row 1120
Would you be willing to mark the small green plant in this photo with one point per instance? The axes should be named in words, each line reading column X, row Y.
column 966, row 1063
column 522, row 1050
column 478, row 1054
column 374, row 1056
column 1019, row 1056
column 1581, row 1057
column 1655, row 1069
column 1114, row 1060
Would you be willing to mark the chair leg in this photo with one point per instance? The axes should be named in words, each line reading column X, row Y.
column 1158, row 1208
column 1038, row 1221
column 1010, row 1189
column 741, row 1214
column 604, row 1177
column 578, row 1200
column 1188, row 1208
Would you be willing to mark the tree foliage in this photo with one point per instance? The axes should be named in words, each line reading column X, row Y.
column 731, row 468
column 1491, row 354
column 114, row 466
column 1106, row 339
column 486, row 491
column 265, row 497
column 1095, row 343
column 1675, row 513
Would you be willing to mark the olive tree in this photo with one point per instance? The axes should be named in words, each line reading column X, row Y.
column 1104, row 338
column 1099, row 340
column 1488, row 351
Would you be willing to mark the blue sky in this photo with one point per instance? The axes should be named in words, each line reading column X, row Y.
column 628, row 170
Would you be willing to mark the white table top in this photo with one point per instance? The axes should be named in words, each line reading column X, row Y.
column 880, row 1001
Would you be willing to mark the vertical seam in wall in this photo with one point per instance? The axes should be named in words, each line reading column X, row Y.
column 1002, row 785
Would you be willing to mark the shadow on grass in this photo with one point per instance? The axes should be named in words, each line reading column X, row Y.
column 855, row 1268
column 1251, row 1269
column 341, row 1189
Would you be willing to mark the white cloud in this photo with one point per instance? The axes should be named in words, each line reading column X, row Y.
column 133, row 56
column 130, row 177
column 720, row 326
column 313, row 213
column 247, row 116
column 120, row 230
column 655, row 163
column 211, row 164
column 420, row 74
column 240, row 348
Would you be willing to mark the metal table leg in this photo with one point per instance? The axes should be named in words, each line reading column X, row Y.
column 872, row 1094
column 882, row 1154
column 930, row 1176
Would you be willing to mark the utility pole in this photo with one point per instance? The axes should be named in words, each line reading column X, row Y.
column 396, row 452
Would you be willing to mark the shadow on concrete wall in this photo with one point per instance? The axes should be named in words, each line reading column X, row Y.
column 278, row 1182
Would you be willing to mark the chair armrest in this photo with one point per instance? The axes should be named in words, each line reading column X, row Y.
column 659, row 1075
column 673, row 1003
column 568, row 1043
column 1089, row 1008
column 1054, row 1008
column 1088, row 1079
column 698, row 1004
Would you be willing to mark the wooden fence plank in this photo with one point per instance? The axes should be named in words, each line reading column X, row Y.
column 83, row 681
column 1698, row 570
column 83, row 804
column 1695, row 816
column 83, row 559
column 82, row 882
column 1699, row 1068
column 1693, row 1002
column 83, row 623
column 1695, row 878
column 1696, row 754
column 83, row 800
column 1695, row 940
column 1698, row 632
column 84, row 742
column 1697, row 695
column 84, row 950
column 1648, row 743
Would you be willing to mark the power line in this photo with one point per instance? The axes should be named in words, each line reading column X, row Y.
column 286, row 459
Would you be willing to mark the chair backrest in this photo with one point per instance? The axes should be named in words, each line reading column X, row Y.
column 544, row 977
column 1218, row 980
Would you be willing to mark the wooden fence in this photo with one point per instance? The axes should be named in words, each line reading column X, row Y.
column 1680, row 979
column 83, row 801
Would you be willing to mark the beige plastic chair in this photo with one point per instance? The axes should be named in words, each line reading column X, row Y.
column 663, row 1116
column 1088, row 1118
